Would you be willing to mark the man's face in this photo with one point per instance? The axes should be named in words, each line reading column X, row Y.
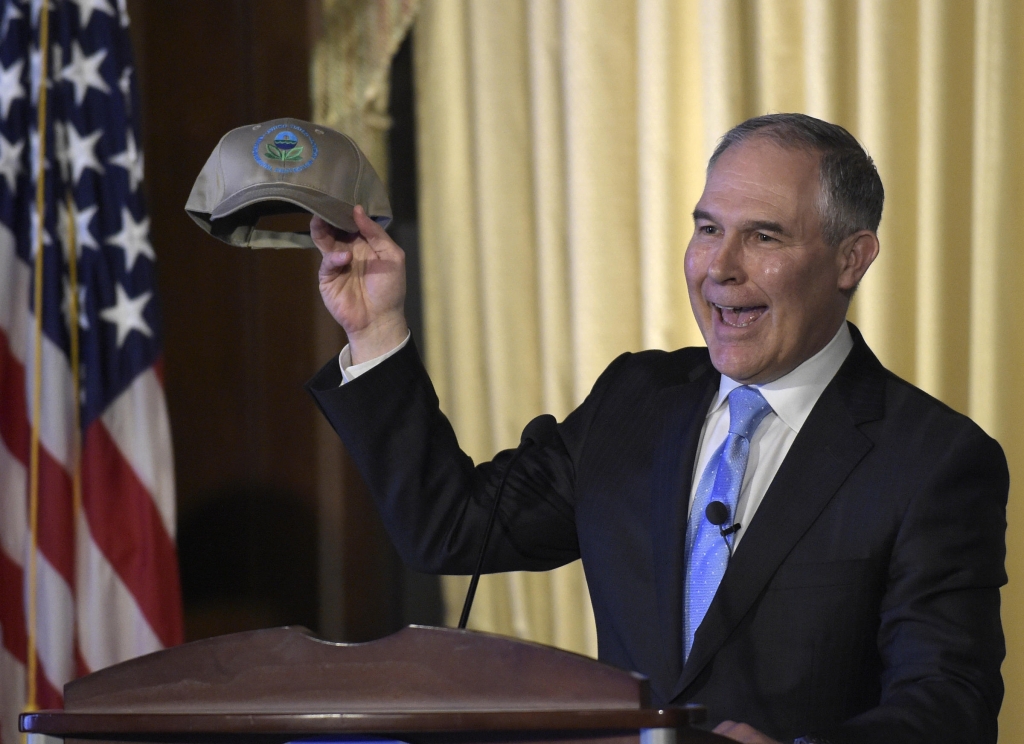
column 766, row 290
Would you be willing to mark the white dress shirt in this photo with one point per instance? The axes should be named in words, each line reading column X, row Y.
column 791, row 397
column 351, row 371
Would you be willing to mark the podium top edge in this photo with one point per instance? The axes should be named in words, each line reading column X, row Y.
column 151, row 726
column 287, row 670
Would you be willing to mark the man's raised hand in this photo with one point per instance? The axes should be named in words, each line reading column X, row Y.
column 362, row 283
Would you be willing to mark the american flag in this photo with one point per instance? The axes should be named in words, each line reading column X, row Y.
column 106, row 583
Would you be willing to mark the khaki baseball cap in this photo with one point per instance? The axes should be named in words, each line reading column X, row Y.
column 279, row 167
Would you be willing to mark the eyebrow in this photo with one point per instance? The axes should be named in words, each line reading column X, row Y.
column 766, row 226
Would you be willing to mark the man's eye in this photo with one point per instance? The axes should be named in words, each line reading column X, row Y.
column 762, row 238
column 707, row 229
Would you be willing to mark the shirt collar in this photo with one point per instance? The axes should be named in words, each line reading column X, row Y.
column 793, row 395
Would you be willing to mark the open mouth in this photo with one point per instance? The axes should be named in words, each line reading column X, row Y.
column 739, row 317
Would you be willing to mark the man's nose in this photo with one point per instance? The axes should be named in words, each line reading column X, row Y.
column 726, row 265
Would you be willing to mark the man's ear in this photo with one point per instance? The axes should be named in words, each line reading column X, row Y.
column 856, row 253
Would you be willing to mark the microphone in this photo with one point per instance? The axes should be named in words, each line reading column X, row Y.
column 718, row 514
column 541, row 429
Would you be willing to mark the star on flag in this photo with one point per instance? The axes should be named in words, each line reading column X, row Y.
column 84, row 72
column 36, row 6
column 33, row 154
column 82, row 152
column 133, row 239
column 35, row 68
column 34, row 235
column 83, row 316
column 11, row 13
column 83, row 237
column 131, row 161
column 10, row 161
column 87, row 7
column 126, row 314
column 124, row 84
column 11, row 88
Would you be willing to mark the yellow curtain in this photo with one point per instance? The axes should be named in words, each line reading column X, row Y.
column 562, row 148
column 351, row 61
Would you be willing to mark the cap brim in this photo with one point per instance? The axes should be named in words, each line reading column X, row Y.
column 329, row 208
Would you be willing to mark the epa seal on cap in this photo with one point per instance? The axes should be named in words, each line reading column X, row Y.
column 285, row 148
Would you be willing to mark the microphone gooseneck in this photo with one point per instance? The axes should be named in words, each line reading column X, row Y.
column 537, row 431
column 471, row 592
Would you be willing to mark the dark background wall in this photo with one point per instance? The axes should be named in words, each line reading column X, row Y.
column 256, row 472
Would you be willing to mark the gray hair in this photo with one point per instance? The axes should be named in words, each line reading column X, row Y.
column 851, row 194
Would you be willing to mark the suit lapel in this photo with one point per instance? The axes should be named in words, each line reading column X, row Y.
column 827, row 449
column 685, row 407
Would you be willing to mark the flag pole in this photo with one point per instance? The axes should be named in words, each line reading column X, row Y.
column 31, row 665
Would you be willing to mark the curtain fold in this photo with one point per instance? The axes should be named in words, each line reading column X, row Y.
column 995, row 347
column 350, row 68
column 563, row 147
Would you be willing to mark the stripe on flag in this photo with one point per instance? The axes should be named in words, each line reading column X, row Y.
column 97, row 578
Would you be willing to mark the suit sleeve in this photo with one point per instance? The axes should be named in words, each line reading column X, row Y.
column 940, row 634
column 432, row 498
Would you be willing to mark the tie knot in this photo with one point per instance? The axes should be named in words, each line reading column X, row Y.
column 747, row 407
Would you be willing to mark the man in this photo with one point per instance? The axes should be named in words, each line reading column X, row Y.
column 855, row 594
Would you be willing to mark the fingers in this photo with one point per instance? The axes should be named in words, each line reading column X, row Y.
column 334, row 263
column 375, row 235
column 369, row 228
column 324, row 235
column 328, row 238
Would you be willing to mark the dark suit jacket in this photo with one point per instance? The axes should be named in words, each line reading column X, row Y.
column 861, row 604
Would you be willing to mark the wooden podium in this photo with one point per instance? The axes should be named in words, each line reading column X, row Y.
column 421, row 685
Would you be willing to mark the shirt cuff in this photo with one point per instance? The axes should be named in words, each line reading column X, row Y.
column 351, row 371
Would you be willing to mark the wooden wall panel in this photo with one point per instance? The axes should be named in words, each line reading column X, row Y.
column 242, row 332
column 238, row 330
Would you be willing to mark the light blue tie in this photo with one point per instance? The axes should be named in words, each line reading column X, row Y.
column 707, row 553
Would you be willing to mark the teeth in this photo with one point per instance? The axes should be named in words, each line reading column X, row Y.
column 739, row 316
column 735, row 308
